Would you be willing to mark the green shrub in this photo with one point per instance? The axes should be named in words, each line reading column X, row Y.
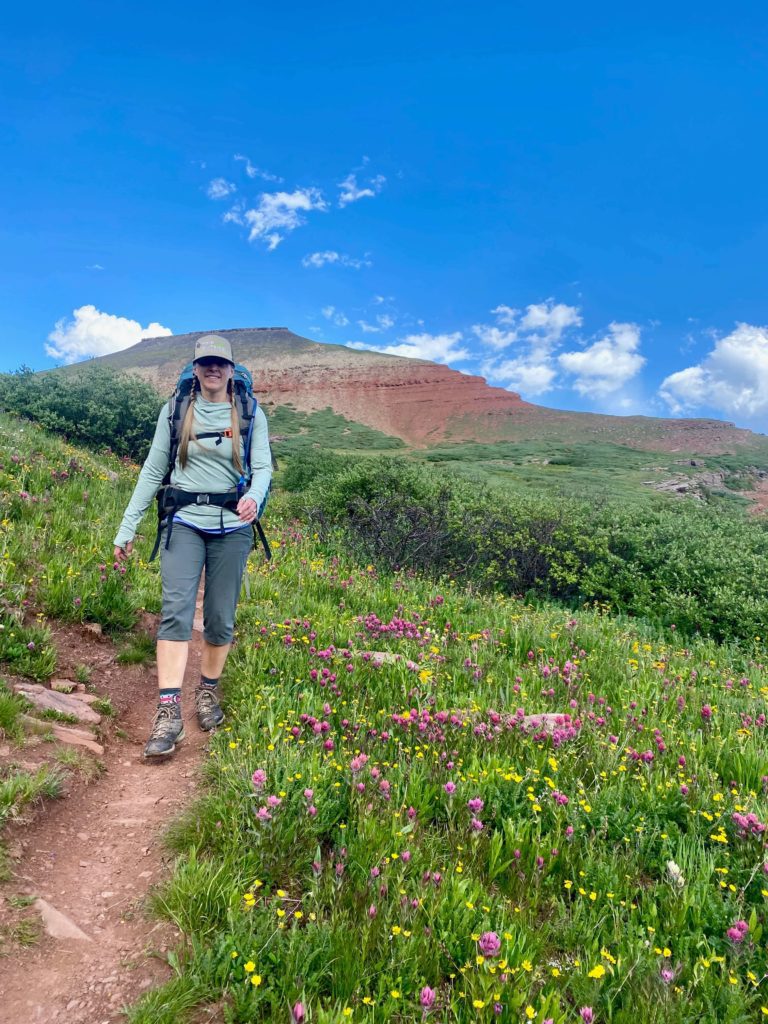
column 304, row 467
column 702, row 569
column 93, row 405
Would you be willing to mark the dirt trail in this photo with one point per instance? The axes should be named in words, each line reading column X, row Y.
column 93, row 857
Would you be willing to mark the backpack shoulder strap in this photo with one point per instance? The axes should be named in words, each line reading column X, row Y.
column 178, row 406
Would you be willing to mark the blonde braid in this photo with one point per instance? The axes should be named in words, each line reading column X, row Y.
column 188, row 427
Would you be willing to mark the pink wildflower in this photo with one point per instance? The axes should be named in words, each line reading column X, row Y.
column 489, row 944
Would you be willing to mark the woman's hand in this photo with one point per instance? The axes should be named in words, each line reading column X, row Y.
column 247, row 510
column 125, row 552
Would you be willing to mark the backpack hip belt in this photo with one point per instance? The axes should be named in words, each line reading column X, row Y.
column 171, row 499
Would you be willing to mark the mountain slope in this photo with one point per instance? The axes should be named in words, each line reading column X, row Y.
column 420, row 402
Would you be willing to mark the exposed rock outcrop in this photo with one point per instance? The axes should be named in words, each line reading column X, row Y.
column 416, row 400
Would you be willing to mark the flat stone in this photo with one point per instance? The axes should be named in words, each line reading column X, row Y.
column 50, row 700
column 87, row 698
column 62, row 685
column 58, row 925
column 77, row 738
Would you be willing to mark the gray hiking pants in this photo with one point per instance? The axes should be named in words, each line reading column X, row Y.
column 181, row 565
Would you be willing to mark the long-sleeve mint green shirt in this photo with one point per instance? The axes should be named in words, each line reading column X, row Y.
column 209, row 469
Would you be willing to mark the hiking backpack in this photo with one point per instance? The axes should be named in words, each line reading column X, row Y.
column 170, row 499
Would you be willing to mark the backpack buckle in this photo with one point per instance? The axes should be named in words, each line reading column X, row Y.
column 203, row 499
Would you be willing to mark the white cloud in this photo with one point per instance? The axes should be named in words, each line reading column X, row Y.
column 605, row 366
column 505, row 314
column 439, row 348
column 257, row 172
column 542, row 326
column 94, row 266
column 548, row 319
column 537, row 332
column 351, row 191
column 383, row 323
column 528, row 374
column 220, row 188
column 335, row 316
column 733, row 378
column 320, row 259
column 93, row 333
column 494, row 337
column 276, row 214
column 235, row 214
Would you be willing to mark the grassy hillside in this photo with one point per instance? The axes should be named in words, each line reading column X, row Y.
column 601, row 469
column 429, row 803
column 391, row 831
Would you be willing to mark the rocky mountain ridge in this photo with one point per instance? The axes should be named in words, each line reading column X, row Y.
column 419, row 401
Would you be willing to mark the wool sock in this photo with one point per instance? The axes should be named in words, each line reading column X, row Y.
column 209, row 684
column 172, row 695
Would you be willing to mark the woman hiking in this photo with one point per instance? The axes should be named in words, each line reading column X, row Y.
column 208, row 525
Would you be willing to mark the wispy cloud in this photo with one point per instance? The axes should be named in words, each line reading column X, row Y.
column 90, row 332
column 257, row 172
column 94, row 266
column 276, row 214
column 606, row 365
column 439, row 348
column 383, row 323
column 329, row 256
column 732, row 378
column 351, row 192
column 536, row 332
column 220, row 188
column 335, row 316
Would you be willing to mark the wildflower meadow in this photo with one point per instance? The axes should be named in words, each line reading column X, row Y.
column 431, row 802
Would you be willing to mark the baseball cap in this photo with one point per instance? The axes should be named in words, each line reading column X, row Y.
column 213, row 345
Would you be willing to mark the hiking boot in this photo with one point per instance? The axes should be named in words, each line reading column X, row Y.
column 209, row 713
column 167, row 731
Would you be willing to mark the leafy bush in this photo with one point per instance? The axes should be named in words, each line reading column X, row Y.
column 306, row 466
column 94, row 405
column 703, row 570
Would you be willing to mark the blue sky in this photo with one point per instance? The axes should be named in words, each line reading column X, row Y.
column 569, row 199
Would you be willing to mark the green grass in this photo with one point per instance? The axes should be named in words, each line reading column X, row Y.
column 22, row 788
column 140, row 650
column 24, row 933
column 55, row 500
column 609, row 860
column 12, row 707
column 295, row 431
column 83, row 673
column 104, row 706
column 596, row 469
column 87, row 767
column 587, row 925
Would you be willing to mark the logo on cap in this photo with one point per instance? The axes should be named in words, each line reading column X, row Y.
column 213, row 345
